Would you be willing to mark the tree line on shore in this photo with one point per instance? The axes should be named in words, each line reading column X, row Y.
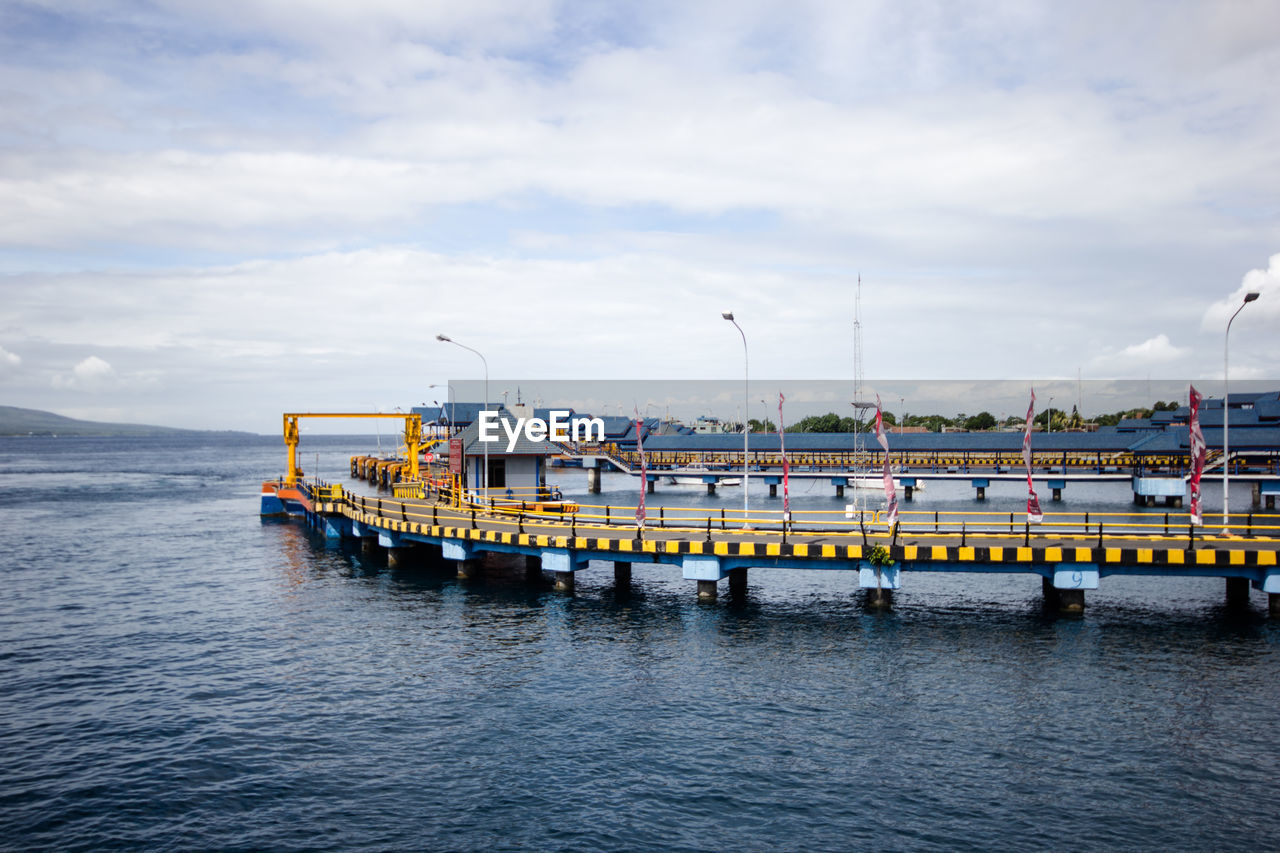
column 982, row 421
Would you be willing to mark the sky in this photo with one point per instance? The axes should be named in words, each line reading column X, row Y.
column 211, row 213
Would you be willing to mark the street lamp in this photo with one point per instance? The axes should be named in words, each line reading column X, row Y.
column 746, row 427
column 449, row 340
column 1048, row 418
column 1226, row 410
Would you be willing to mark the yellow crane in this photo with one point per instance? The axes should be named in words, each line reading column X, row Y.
column 412, row 437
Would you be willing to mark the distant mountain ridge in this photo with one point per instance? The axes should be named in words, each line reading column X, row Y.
column 16, row 421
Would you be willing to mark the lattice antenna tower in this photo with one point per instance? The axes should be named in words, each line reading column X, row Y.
column 860, row 405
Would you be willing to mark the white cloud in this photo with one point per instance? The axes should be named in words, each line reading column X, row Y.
column 1136, row 359
column 1157, row 350
column 1264, row 282
column 8, row 361
column 93, row 374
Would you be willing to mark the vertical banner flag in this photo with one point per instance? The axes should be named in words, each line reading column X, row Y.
column 890, row 495
column 644, row 473
column 1034, row 515
column 1198, row 454
column 786, row 469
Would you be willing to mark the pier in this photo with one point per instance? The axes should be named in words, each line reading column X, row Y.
column 1071, row 552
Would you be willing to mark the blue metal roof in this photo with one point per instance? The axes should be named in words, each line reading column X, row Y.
column 463, row 414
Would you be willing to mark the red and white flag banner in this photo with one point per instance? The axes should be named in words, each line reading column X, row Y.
column 890, row 495
column 644, row 472
column 786, row 469
column 1034, row 515
column 1198, row 455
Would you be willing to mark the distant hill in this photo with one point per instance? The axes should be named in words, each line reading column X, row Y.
column 16, row 421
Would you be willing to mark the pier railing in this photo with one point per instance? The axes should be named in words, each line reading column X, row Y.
column 517, row 508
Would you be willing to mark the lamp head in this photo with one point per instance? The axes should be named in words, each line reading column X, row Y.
column 728, row 315
column 444, row 338
column 1252, row 295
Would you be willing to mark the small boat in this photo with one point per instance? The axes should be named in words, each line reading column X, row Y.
column 693, row 476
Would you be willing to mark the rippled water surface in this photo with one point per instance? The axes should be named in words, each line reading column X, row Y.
column 178, row 674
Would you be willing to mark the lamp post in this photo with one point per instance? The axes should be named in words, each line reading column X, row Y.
column 448, row 340
column 1048, row 418
column 746, row 427
column 1226, row 411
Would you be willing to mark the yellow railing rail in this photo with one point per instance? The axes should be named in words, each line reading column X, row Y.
column 1100, row 527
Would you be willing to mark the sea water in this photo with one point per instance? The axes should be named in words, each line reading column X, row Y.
column 177, row 673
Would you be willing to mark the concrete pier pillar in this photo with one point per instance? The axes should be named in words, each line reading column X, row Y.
column 839, row 491
column 711, row 488
column 564, row 582
column 1273, row 605
column 1257, row 496
column 738, row 582
column 532, row 568
column 1057, row 494
column 468, row 569
column 907, row 492
column 773, row 490
column 648, row 486
column 399, row 557
column 593, row 481
column 707, row 591
column 1237, row 592
column 368, row 545
column 982, row 493
column 1271, row 501
column 1069, row 602
column 621, row 574
column 879, row 598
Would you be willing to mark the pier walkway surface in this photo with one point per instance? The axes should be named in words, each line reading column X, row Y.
column 1070, row 551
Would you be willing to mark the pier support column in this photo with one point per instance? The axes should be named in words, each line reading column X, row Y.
column 982, row 493
column 738, row 583
column 773, row 490
column 369, row 545
column 907, row 492
column 532, row 568
column 468, row 569
column 1257, row 496
column 1071, row 601
column 708, row 590
column 879, row 598
column 1271, row 501
column 1237, row 592
column 839, row 491
column 593, row 481
column 621, row 574
column 649, row 486
column 1273, row 605
column 399, row 557
column 711, row 488
column 565, row 582
column 1057, row 494
column 1068, row 602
